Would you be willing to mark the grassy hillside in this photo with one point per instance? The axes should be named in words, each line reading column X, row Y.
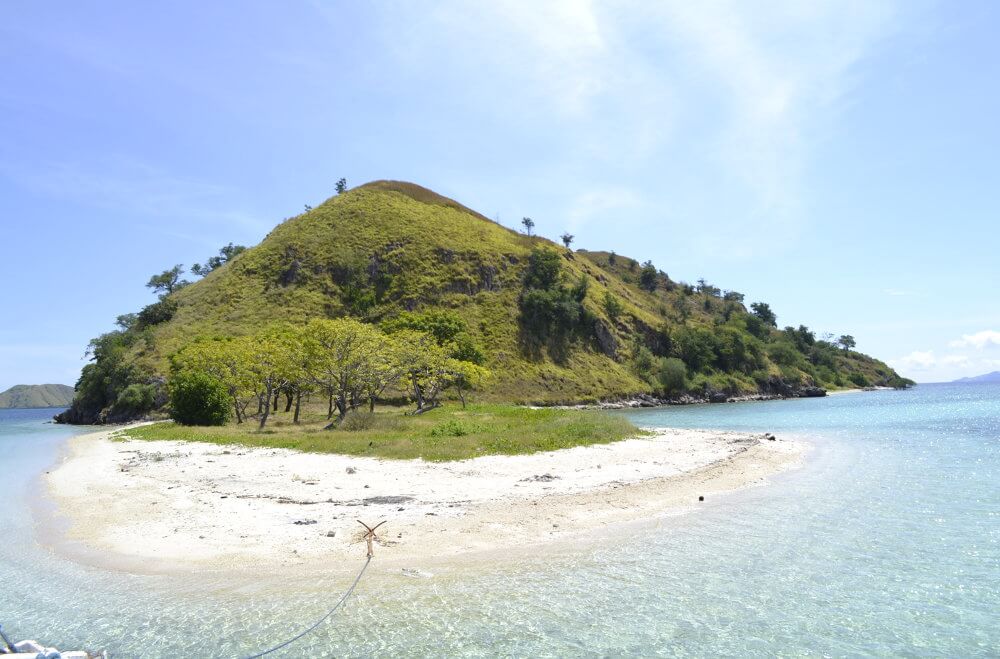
column 389, row 247
column 36, row 395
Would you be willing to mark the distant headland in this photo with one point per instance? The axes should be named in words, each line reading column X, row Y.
column 986, row 377
column 36, row 395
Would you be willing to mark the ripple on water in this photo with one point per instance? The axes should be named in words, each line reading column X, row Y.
column 886, row 542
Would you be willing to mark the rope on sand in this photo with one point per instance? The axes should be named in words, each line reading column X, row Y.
column 369, row 537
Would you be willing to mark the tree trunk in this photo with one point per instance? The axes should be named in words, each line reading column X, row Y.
column 341, row 408
column 298, row 406
column 427, row 408
column 267, row 409
column 236, row 406
column 277, row 395
column 371, row 405
column 289, row 397
column 418, row 393
column 461, row 394
column 329, row 410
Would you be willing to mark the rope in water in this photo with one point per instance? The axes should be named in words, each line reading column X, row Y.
column 320, row 621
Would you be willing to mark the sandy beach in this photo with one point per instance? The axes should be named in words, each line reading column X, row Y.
column 164, row 506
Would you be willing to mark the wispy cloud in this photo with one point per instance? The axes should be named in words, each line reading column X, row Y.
column 125, row 184
column 600, row 203
column 918, row 360
column 733, row 86
column 979, row 340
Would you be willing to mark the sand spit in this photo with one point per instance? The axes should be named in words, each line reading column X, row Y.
column 165, row 506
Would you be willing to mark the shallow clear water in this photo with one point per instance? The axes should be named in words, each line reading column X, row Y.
column 886, row 543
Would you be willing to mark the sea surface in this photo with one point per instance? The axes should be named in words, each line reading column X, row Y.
column 886, row 543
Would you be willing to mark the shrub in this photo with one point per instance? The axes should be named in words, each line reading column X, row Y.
column 643, row 362
column 156, row 313
column 696, row 346
column 858, row 379
column 784, row 353
column 358, row 421
column 672, row 375
column 136, row 399
column 451, row 428
column 612, row 306
column 198, row 399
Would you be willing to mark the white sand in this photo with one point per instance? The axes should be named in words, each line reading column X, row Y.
column 155, row 506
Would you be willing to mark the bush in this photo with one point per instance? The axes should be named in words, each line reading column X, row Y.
column 136, row 399
column 451, row 428
column 643, row 362
column 784, row 353
column 198, row 399
column 672, row 376
column 858, row 379
column 156, row 313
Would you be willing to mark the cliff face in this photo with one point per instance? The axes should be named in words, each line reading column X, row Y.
column 390, row 247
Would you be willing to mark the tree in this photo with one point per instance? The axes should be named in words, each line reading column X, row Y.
column 763, row 311
column 672, row 376
column 198, row 399
column 648, row 276
column 339, row 354
column 167, row 281
column 465, row 375
column 226, row 254
column 846, row 342
column 306, row 208
column 227, row 361
column 425, row 366
column 342, row 186
column 544, row 266
column 612, row 306
column 567, row 239
column 529, row 224
column 268, row 366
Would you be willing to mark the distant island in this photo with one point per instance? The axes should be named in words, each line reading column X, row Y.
column 36, row 395
column 986, row 377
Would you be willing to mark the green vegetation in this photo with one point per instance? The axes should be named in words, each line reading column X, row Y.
column 36, row 395
column 198, row 399
column 551, row 325
column 447, row 433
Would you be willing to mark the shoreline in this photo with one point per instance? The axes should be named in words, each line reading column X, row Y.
column 167, row 506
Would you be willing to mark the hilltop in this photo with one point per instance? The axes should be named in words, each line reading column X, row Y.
column 555, row 325
column 36, row 395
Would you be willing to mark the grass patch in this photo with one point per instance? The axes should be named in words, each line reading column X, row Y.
column 447, row 433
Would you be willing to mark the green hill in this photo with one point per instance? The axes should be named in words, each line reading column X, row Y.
column 600, row 327
column 36, row 395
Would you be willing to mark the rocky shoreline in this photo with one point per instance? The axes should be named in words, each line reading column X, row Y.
column 711, row 396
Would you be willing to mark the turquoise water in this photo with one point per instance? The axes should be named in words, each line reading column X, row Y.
column 886, row 543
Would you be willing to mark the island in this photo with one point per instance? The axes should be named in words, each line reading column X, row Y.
column 27, row 396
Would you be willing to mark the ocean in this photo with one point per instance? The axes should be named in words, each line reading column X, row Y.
column 885, row 543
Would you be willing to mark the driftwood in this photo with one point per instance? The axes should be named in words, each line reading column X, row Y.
column 370, row 535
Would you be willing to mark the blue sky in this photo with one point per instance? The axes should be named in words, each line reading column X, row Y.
column 835, row 159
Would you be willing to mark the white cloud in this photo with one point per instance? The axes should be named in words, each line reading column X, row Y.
column 781, row 67
column 917, row 360
column 979, row 340
column 745, row 89
column 955, row 360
